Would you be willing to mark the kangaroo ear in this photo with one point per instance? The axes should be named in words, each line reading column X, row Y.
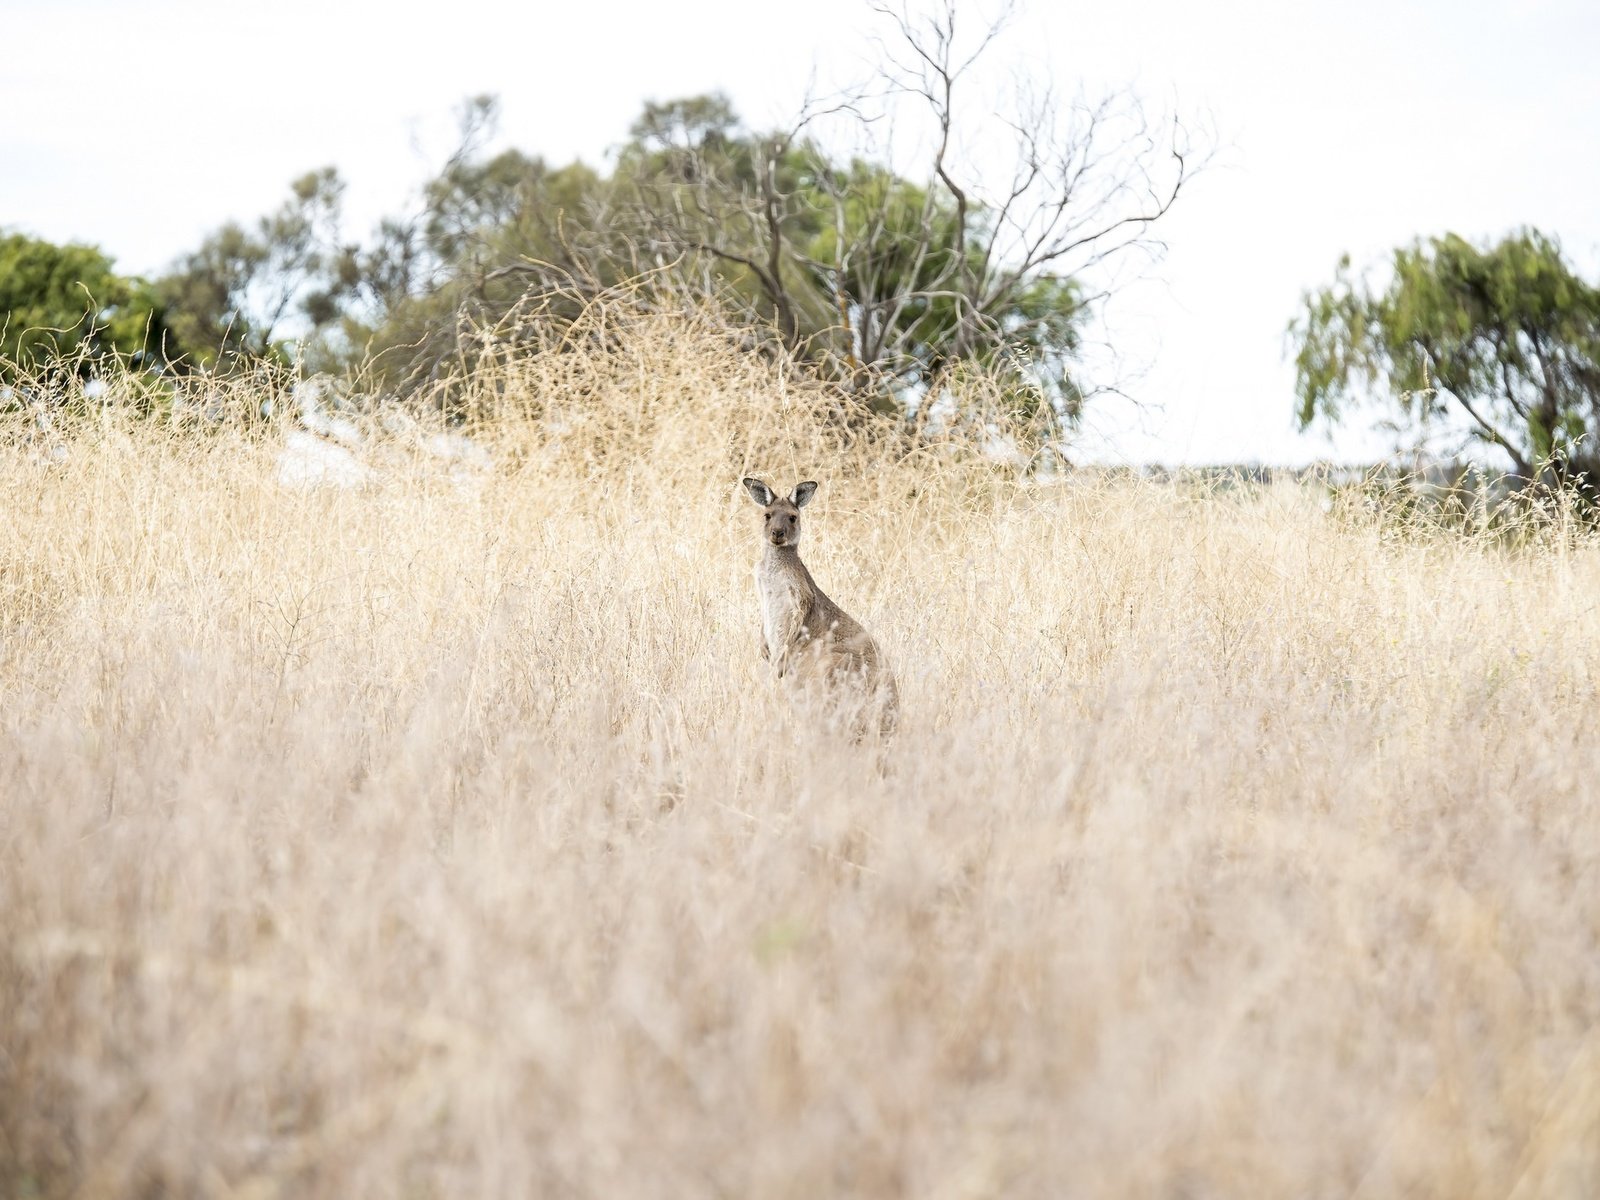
column 759, row 492
column 803, row 492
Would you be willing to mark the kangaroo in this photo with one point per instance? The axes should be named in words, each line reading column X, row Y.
column 804, row 633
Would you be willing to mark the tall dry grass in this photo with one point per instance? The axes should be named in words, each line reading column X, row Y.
column 425, row 840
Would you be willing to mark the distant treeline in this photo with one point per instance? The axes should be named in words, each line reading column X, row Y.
column 890, row 282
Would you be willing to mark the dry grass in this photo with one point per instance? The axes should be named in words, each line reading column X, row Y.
column 425, row 842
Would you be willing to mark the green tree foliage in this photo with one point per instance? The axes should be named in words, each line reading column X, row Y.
column 874, row 278
column 1505, row 337
column 917, row 288
column 65, row 305
column 884, row 278
column 266, row 291
column 731, row 209
column 488, row 231
column 887, row 278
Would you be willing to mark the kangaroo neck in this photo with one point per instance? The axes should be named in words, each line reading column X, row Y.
column 785, row 559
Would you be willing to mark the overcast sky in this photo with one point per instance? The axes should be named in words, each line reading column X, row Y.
column 1350, row 127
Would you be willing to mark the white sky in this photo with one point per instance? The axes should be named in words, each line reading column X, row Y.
column 1345, row 127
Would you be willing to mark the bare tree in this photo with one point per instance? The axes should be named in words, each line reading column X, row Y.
column 889, row 273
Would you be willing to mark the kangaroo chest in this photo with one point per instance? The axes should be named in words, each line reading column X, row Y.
column 785, row 600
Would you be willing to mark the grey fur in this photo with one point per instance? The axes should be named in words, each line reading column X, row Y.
column 805, row 635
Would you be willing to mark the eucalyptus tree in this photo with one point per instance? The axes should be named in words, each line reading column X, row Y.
column 1502, row 337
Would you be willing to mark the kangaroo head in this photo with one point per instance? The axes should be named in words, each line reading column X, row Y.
column 780, row 519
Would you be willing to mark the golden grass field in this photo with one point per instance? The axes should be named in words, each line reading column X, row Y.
column 428, row 840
